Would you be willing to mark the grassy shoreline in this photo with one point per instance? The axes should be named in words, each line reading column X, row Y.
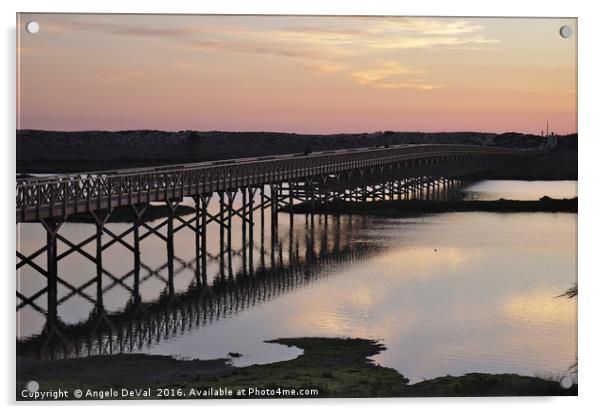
column 335, row 367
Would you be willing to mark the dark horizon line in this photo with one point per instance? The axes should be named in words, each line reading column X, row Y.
column 292, row 133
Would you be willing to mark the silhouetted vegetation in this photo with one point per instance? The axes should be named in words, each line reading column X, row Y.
column 570, row 292
column 55, row 151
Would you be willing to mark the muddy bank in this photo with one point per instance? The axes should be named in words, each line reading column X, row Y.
column 402, row 208
column 126, row 214
column 488, row 385
column 332, row 367
column 120, row 369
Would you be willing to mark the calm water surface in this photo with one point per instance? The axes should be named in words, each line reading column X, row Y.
column 447, row 294
column 519, row 190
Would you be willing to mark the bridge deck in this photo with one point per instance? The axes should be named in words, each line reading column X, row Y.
column 63, row 195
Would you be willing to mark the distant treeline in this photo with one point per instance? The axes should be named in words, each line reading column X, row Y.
column 59, row 151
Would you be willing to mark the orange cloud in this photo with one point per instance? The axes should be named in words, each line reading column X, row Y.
column 119, row 77
column 296, row 73
column 391, row 75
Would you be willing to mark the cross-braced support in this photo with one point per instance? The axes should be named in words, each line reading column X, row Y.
column 404, row 179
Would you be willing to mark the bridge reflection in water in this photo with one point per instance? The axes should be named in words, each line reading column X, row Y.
column 300, row 257
column 242, row 199
column 266, row 264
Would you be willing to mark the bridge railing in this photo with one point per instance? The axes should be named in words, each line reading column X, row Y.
column 65, row 194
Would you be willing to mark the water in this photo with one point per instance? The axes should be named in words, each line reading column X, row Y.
column 519, row 190
column 447, row 294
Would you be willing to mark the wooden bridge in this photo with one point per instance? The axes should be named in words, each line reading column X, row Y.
column 257, row 185
column 307, row 177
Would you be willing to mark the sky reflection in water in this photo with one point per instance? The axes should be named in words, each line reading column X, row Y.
column 447, row 294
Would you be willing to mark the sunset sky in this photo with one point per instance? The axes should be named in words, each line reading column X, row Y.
column 296, row 73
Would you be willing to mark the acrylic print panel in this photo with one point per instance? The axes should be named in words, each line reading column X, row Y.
column 295, row 206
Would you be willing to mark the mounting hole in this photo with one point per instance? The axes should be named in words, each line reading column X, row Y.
column 566, row 31
column 32, row 27
column 33, row 386
column 566, row 382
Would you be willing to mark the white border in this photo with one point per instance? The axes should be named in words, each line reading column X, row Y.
column 589, row 222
